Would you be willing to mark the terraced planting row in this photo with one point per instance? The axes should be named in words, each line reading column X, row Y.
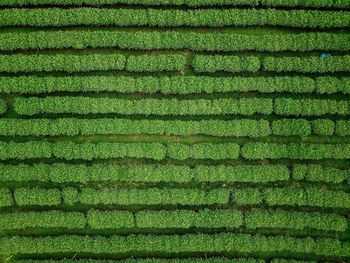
column 148, row 131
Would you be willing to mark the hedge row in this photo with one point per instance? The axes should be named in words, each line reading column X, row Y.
column 307, row 64
column 294, row 220
column 153, row 260
column 231, row 128
column 91, row 62
column 85, row 151
column 37, row 197
column 177, row 151
column 317, row 173
column 153, row 196
column 3, row 106
column 342, row 128
column 214, row 63
column 5, row 197
column 310, row 107
column 105, row 126
column 302, row 127
column 178, row 219
column 287, row 196
column 146, row 106
column 67, row 173
column 61, row 62
column 173, row 39
column 309, row 196
column 302, row 151
column 172, row 17
column 173, row 85
column 196, row 3
column 42, row 219
column 230, row 243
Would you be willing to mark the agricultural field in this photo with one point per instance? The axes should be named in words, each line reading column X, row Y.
column 170, row 131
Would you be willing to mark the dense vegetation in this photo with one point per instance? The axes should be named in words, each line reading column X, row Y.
column 173, row 131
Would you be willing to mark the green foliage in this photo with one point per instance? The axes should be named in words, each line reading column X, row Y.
column 291, row 127
column 154, row 260
column 173, row 85
column 107, row 126
column 247, row 196
column 143, row 245
column 5, row 197
column 70, row 195
column 37, row 197
column 307, row 64
column 83, row 151
column 317, row 173
column 342, row 128
column 203, row 151
column 309, row 196
column 294, row 220
column 194, row 3
column 171, row 17
column 61, row 62
column 110, row 219
column 186, row 219
column 214, row 63
column 147, row 106
column 323, row 127
column 3, row 106
column 310, row 107
column 62, row 173
column 43, row 219
column 133, row 2
column 155, row 39
column 302, row 151
column 154, row 63
column 153, row 196
column 241, row 173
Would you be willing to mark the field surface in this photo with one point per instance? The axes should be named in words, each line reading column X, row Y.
column 170, row 131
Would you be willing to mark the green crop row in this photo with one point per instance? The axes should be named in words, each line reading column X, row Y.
column 302, row 151
column 85, row 151
column 146, row 106
column 153, row 260
column 3, row 106
column 177, row 151
column 178, row 219
column 196, row 3
column 317, row 173
column 220, row 128
column 42, row 219
column 302, row 127
column 173, row 85
column 149, row 106
column 173, row 39
column 90, row 151
column 90, row 62
column 230, row 243
column 294, row 220
column 106, row 126
column 67, row 173
column 310, row 107
column 307, row 64
column 172, row 17
column 309, row 196
column 342, row 128
column 5, row 198
column 287, row 196
column 214, row 63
